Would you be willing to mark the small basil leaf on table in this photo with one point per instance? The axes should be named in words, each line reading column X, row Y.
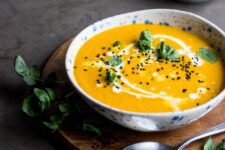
column 51, row 93
column 65, row 109
column 207, row 54
column 116, row 43
column 41, row 95
column 29, row 80
column 21, row 66
column 30, row 75
column 91, row 126
column 111, row 76
column 209, row 145
column 115, row 60
column 32, row 106
column 51, row 125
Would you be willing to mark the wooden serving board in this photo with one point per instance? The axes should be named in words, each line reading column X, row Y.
column 116, row 137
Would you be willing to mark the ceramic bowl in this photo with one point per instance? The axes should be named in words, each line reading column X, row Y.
column 149, row 121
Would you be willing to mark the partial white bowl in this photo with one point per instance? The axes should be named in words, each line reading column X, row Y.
column 149, row 121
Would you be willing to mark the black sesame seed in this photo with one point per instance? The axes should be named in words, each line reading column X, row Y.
column 86, row 57
column 184, row 90
column 85, row 69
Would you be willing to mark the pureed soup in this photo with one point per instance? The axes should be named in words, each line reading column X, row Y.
column 149, row 68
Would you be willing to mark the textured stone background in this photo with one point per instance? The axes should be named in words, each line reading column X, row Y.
column 34, row 28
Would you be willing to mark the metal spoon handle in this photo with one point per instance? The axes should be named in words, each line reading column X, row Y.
column 214, row 130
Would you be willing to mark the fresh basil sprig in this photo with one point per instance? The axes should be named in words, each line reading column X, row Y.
column 167, row 52
column 111, row 76
column 207, row 54
column 144, row 42
column 43, row 99
column 115, row 60
column 30, row 74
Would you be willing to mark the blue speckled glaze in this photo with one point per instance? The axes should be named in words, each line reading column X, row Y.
column 149, row 121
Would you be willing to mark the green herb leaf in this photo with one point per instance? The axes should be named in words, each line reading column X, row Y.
column 207, row 54
column 32, row 106
column 41, row 94
column 209, row 145
column 145, row 35
column 115, row 60
column 116, row 43
column 29, row 80
column 144, row 45
column 91, row 126
column 145, row 40
column 57, row 119
column 167, row 52
column 111, row 76
column 52, row 125
column 35, row 72
column 221, row 146
column 30, row 75
column 65, row 109
column 21, row 66
column 51, row 93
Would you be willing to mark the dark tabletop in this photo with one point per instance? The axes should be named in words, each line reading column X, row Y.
column 34, row 28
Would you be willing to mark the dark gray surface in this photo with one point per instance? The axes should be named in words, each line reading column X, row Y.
column 34, row 28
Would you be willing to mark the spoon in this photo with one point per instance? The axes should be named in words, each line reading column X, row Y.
column 158, row 146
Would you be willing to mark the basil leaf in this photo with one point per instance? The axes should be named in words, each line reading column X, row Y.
column 111, row 76
column 21, row 66
column 145, row 35
column 30, row 75
column 209, row 145
column 166, row 52
column 144, row 42
column 29, row 80
column 117, row 43
column 92, row 127
column 221, row 146
column 35, row 72
column 51, row 93
column 56, row 119
column 207, row 54
column 115, row 60
column 41, row 95
column 51, row 125
column 144, row 45
column 32, row 107
column 65, row 109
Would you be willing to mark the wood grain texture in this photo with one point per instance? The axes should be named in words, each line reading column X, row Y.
column 117, row 137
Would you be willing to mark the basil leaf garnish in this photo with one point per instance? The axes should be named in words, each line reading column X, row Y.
column 167, row 52
column 145, row 40
column 208, row 55
column 111, row 76
column 115, row 60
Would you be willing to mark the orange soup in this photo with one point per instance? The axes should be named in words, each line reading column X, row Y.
column 149, row 68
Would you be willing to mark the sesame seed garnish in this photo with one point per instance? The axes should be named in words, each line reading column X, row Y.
column 85, row 69
column 184, row 90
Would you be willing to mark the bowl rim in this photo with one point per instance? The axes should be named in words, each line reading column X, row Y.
column 220, row 96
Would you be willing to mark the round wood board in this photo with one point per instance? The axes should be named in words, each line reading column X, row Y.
column 117, row 136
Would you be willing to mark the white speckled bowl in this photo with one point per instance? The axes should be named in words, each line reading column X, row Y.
column 149, row 121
